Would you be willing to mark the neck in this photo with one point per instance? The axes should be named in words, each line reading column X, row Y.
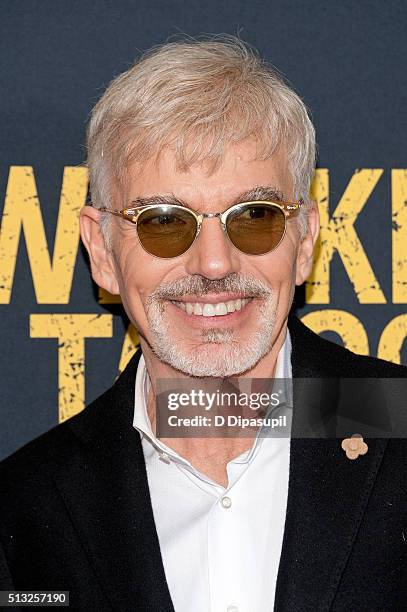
column 209, row 455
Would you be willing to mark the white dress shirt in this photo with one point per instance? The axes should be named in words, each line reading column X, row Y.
column 220, row 546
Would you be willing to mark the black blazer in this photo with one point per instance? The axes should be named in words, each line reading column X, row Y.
column 75, row 509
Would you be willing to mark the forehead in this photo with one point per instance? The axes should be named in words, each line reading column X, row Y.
column 238, row 172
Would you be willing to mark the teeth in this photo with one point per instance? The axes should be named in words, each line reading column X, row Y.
column 208, row 310
column 221, row 309
column 197, row 309
column 212, row 310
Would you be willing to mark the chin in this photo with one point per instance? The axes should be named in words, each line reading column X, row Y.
column 214, row 357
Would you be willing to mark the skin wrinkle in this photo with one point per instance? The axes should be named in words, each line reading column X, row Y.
column 270, row 193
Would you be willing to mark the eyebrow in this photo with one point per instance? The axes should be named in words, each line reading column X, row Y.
column 259, row 192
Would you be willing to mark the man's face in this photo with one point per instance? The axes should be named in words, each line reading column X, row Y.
column 178, row 305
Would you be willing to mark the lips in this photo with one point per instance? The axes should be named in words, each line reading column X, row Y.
column 207, row 309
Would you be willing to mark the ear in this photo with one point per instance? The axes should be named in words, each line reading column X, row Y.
column 101, row 260
column 306, row 248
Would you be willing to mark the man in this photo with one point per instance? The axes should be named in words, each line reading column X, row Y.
column 200, row 161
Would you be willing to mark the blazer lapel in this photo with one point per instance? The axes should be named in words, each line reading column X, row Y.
column 111, row 508
column 327, row 496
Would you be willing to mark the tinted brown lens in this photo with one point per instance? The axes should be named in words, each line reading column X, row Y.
column 256, row 229
column 165, row 231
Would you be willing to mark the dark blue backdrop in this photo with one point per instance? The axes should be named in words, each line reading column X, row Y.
column 346, row 59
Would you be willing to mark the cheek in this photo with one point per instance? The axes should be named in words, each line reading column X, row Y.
column 135, row 278
column 139, row 274
column 279, row 269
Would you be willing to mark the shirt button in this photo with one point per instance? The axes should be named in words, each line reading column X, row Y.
column 226, row 503
column 232, row 608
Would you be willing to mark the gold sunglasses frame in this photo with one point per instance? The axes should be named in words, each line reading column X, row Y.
column 290, row 208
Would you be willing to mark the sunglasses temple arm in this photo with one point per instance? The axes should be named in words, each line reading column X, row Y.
column 118, row 213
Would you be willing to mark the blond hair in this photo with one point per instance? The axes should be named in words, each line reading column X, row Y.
column 197, row 96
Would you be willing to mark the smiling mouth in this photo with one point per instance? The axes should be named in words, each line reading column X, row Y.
column 212, row 310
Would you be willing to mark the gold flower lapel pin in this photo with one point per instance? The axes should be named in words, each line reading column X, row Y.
column 354, row 446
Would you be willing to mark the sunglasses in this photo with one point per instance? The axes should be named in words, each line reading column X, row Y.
column 169, row 230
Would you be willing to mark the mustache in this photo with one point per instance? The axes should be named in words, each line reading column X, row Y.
column 248, row 286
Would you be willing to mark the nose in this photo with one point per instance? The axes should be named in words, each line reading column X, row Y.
column 212, row 255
